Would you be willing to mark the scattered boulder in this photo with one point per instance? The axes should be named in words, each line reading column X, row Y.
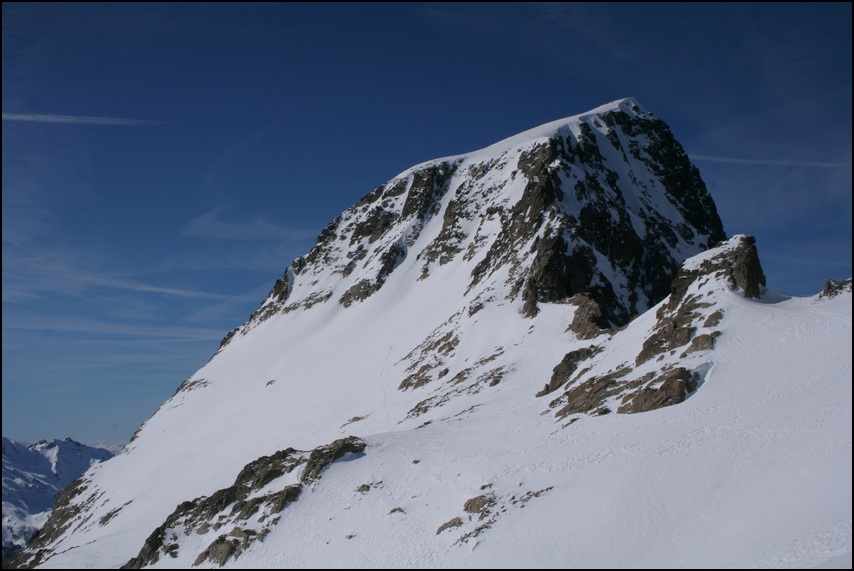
column 703, row 342
column 480, row 505
column 455, row 522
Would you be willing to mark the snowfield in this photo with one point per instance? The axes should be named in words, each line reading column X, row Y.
column 753, row 470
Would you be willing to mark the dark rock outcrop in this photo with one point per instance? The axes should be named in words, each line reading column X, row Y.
column 684, row 326
column 323, row 456
column 568, row 365
column 673, row 387
column 240, row 506
column 833, row 288
column 201, row 513
column 589, row 396
column 737, row 263
column 588, row 321
column 606, row 206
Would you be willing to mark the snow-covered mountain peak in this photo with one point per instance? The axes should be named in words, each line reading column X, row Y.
column 604, row 202
column 488, row 324
column 568, row 127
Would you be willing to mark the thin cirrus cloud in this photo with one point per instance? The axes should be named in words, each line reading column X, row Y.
column 767, row 162
column 91, row 326
column 211, row 226
column 77, row 119
column 30, row 275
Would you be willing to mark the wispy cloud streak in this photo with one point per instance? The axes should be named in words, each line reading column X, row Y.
column 78, row 120
column 209, row 225
column 766, row 162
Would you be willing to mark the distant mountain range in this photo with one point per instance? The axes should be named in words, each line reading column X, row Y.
column 546, row 353
column 32, row 476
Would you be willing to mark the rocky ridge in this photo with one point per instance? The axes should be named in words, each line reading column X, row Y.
column 672, row 356
column 606, row 203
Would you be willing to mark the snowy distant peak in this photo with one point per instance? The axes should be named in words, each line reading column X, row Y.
column 32, row 476
column 57, row 460
column 605, row 202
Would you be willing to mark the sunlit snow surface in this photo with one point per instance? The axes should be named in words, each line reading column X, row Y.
column 754, row 470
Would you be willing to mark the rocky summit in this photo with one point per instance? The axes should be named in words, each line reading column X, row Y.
column 605, row 203
column 543, row 353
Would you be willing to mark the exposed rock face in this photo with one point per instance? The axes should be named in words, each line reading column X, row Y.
column 590, row 395
column 833, row 288
column 568, row 366
column 323, row 456
column 741, row 267
column 684, row 327
column 234, row 507
column 65, row 512
column 737, row 263
column 538, row 217
column 240, row 508
column 588, row 321
column 451, row 523
column 674, row 387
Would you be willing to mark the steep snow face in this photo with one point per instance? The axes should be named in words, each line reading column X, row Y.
column 432, row 320
column 32, row 476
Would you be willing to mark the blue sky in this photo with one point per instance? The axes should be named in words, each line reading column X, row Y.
column 163, row 163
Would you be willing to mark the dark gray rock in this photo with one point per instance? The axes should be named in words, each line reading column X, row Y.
column 65, row 512
column 363, row 289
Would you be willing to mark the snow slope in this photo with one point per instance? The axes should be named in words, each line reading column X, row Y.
column 426, row 320
column 32, row 476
